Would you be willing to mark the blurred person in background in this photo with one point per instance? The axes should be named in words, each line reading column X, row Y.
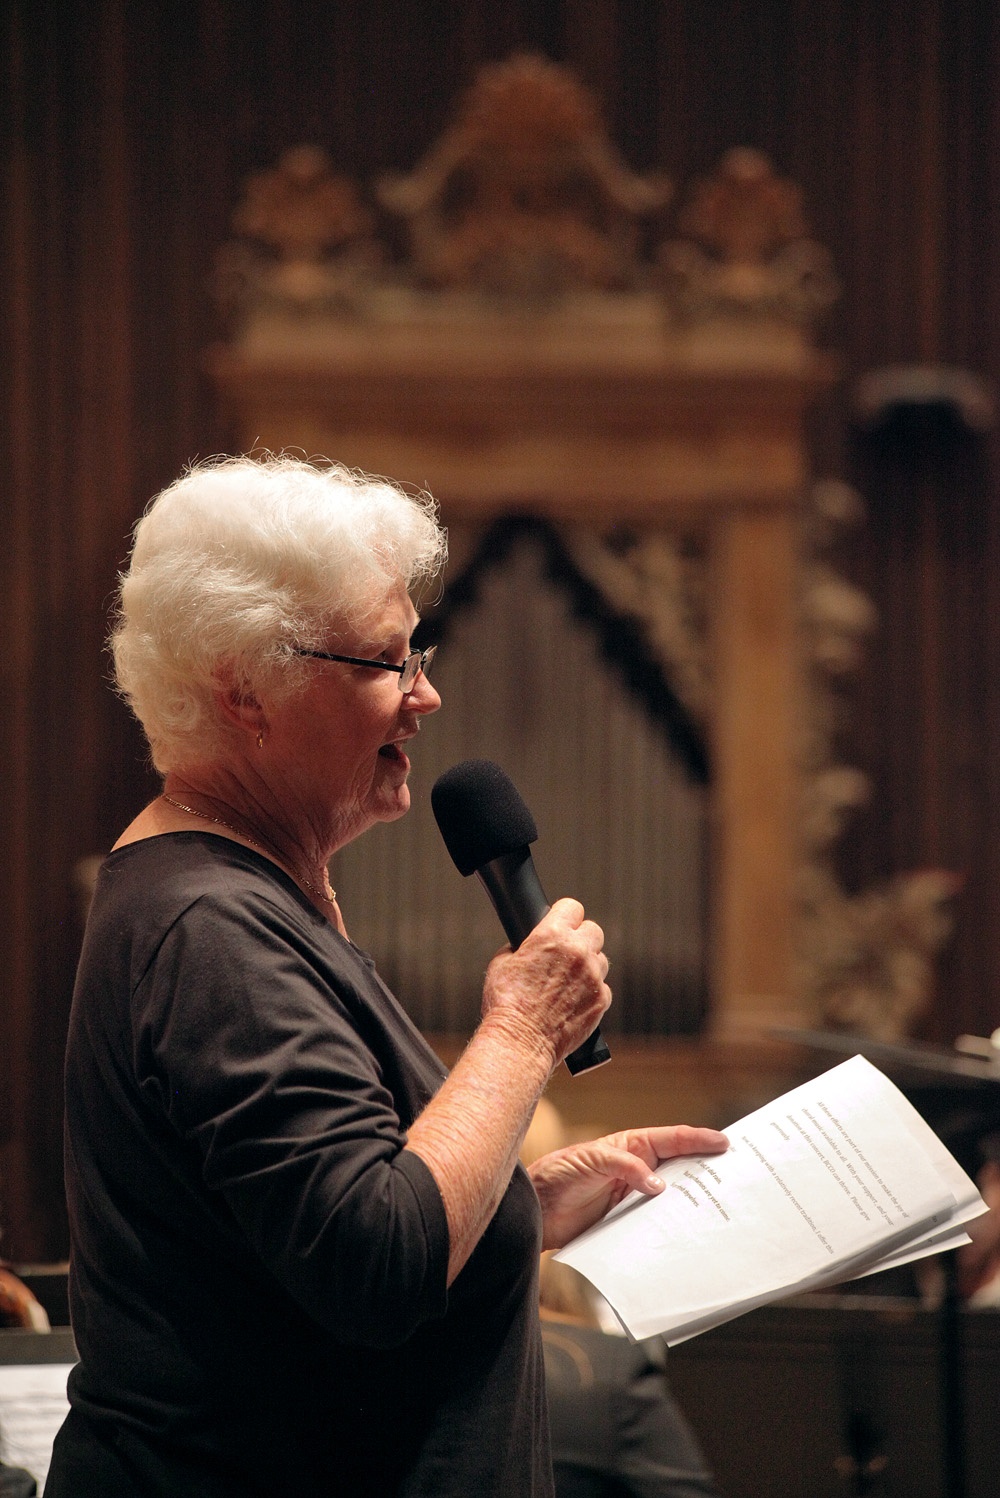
column 616, row 1429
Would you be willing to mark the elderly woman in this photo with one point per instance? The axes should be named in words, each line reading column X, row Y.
column 303, row 1258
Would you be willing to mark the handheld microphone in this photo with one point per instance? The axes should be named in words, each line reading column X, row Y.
column 487, row 828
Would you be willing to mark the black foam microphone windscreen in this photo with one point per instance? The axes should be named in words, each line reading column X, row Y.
column 481, row 814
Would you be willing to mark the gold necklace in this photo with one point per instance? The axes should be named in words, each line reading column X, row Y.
column 329, row 894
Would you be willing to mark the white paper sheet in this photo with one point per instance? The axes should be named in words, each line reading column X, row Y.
column 33, row 1405
column 836, row 1178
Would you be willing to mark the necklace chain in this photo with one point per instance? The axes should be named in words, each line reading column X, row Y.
column 329, row 894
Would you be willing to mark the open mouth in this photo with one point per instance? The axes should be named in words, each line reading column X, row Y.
column 393, row 752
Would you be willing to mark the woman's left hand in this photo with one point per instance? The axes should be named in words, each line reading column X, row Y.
column 577, row 1185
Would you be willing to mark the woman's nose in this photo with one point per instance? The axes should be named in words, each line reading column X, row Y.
column 423, row 696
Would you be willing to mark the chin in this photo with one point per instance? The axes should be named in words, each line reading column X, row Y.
column 391, row 809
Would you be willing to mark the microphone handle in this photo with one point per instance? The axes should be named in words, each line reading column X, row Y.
column 518, row 899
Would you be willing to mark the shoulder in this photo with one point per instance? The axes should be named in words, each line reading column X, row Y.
column 192, row 906
column 176, row 866
column 144, row 888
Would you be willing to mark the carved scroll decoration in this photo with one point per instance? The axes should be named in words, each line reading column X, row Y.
column 746, row 249
column 306, row 242
column 523, row 203
column 524, row 195
column 865, row 961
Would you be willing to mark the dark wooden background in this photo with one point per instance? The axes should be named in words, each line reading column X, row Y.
column 127, row 132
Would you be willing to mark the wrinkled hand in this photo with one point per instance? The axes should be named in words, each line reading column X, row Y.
column 551, row 993
column 576, row 1186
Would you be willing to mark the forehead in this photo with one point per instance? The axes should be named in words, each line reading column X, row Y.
column 390, row 616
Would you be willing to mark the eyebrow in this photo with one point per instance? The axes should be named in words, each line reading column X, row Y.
column 404, row 634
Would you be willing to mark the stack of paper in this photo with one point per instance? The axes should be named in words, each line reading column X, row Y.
column 836, row 1179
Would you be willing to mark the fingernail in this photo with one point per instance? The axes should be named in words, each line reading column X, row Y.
column 654, row 1183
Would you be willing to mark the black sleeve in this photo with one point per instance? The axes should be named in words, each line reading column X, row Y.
column 255, row 1060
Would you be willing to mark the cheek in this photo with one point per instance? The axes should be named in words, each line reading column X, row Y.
column 374, row 731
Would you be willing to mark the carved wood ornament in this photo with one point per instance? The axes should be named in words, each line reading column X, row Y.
column 549, row 344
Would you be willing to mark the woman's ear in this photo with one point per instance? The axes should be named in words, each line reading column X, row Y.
column 240, row 707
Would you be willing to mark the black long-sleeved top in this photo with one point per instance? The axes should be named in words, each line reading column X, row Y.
column 258, row 1269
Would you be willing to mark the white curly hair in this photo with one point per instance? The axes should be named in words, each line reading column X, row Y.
column 239, row 561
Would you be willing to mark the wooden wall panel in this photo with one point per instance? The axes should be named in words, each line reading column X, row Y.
column 127, row 132
column 70, row 448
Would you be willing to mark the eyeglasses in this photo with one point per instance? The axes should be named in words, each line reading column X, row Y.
column 416, row 661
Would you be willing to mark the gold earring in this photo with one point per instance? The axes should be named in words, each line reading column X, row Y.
column 260, row 738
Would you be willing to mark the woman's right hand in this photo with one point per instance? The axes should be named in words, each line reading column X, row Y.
column 539, row 1003
column 551, row 992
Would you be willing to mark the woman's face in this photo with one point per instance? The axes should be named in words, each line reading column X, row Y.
column 339, row 745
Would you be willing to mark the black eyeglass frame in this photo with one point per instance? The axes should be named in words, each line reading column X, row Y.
column 416, row 662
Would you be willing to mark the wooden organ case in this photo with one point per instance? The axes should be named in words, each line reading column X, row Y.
column 524, row 326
